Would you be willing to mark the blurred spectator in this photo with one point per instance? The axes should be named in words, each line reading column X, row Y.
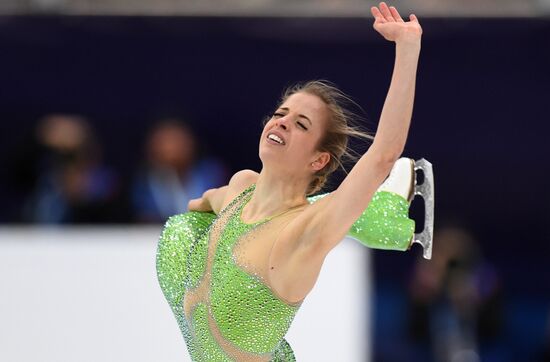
column 173, row 173
column 62, row 176
column 456, row 312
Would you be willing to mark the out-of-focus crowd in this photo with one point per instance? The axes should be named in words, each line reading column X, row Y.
column 456, row 308
column 62, row 175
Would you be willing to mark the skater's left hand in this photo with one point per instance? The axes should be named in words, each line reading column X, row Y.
column 389, row 23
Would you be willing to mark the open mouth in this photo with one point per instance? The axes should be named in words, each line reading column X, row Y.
column 275, row 139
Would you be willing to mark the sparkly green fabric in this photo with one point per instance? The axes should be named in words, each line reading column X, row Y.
column 255, row 320
column 384, row 224
column 245, row 310
column 183, row 235
column 206, row 348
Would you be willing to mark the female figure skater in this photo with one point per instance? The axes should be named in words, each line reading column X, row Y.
column 236, row 268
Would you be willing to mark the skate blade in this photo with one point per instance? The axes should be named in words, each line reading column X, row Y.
column 426, row 191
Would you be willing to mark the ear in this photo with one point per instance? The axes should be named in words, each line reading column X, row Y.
column 322, row 159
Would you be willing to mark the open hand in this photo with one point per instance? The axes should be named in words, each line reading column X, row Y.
column 389, row 23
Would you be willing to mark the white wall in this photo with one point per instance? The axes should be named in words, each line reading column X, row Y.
column 91, row 294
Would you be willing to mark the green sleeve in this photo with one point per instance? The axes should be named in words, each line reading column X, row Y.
column 384, row 224
column 180, row 234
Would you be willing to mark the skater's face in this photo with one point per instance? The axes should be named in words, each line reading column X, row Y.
column 299, row 124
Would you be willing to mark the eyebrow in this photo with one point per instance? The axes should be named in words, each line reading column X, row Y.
column 300, row 115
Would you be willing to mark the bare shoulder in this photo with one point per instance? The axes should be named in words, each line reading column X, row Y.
column 296, row 259
column 327, row 221
column 239, row 182
column 299, row 236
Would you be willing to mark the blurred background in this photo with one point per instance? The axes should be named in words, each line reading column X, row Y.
column 114, row 113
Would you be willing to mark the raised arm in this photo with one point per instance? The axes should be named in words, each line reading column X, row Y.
column 395, row 118
column 332, row 217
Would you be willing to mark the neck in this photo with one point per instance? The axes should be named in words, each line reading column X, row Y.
column 274, row 194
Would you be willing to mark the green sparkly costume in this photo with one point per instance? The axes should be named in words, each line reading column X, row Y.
column 228, row 305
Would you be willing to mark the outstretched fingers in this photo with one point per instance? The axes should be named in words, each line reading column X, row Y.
column 384, row 14
column 395, row 14
column 386, row 11
column 387, row 14
column 377, row 14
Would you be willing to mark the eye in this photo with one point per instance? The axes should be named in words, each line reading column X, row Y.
column 277, row 114
column 301, row 125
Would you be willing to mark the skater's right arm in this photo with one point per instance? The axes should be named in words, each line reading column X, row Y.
column 216, row 199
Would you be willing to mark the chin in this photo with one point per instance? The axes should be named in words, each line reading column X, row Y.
column 270, row 158
column 265, row 155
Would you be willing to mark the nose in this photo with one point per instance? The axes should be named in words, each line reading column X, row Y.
column 282, row 122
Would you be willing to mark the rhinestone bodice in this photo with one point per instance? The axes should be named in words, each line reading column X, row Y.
column 229, row 314
column 224, row 312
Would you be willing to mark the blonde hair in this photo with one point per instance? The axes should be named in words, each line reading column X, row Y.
column 342, row 124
